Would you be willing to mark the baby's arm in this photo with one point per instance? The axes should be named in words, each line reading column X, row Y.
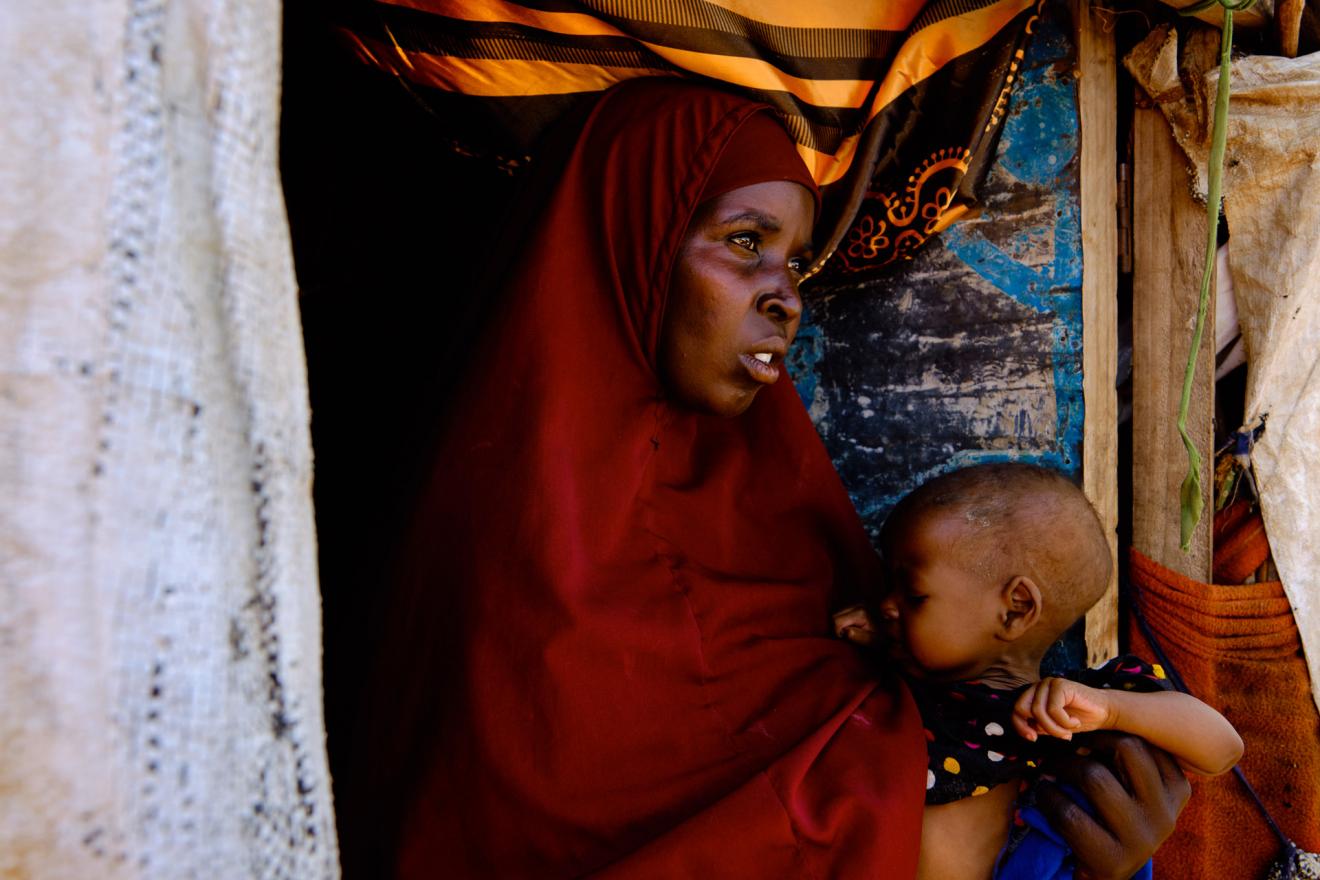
column 1199, row 737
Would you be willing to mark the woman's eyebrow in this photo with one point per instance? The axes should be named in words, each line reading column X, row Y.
column 756, row 218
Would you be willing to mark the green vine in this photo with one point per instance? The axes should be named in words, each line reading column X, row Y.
column 1190, row 493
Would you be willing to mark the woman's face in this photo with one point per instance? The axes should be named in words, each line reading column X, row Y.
column 733, row 302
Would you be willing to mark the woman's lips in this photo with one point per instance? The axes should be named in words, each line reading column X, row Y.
column 763, row 357
column 766, row 374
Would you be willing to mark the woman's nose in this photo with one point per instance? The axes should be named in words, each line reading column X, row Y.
column 782, row 303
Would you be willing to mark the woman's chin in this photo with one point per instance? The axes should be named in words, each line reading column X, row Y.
column 727, row 403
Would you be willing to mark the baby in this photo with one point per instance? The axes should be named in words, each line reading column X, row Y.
column 985, row 568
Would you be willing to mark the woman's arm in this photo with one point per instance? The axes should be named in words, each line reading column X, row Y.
column 1136, row 792
column 1199, row 738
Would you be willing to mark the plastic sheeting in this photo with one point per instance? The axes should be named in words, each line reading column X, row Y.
column 1272, row 204
column 159, row 616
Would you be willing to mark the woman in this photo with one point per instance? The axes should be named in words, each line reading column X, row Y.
column 635, row 539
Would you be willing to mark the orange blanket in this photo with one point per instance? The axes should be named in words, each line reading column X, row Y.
column 1238, row 649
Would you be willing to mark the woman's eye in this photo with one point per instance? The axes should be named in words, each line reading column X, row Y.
column 747, row 240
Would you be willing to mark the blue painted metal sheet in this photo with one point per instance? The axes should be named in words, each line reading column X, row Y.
column 972, row 351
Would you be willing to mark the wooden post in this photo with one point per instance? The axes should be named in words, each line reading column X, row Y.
column 1097, row 108
column 1168, row 253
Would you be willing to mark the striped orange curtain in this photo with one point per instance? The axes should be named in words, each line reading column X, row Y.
column 893, row 104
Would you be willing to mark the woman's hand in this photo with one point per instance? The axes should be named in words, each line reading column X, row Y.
column 854, row 625
column 1137, row 791
column 1059, row 707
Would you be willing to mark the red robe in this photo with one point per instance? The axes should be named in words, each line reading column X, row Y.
column 617, row 611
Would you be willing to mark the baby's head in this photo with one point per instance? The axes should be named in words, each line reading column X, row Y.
column 987, row 567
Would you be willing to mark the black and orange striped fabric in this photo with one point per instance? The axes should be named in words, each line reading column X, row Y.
column 894, row 105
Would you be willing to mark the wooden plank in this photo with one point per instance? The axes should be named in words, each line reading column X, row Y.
column 1097, row 108
column 1168, row 253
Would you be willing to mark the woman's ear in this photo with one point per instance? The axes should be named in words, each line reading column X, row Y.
column 1020, row 607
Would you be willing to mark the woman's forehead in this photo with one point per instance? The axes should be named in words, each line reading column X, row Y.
column 771, row 206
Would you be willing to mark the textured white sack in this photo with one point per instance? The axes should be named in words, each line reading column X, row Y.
column 159, row 615
column 1272, row 204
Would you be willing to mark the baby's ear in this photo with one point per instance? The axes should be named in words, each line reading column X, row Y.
column 1021, row 607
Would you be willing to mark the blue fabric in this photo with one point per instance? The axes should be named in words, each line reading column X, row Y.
column 1040, row 853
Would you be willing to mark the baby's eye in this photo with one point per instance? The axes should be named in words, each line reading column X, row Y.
column 914, row 600
column 799, row 265
column 747, row 240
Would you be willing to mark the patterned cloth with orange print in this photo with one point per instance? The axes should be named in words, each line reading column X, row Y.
column 895, row 107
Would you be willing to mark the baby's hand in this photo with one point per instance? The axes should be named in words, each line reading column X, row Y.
column 1059, row 707
column 854, row 624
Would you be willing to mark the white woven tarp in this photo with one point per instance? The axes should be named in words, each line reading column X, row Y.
column 160, row 704
column 1272, row 205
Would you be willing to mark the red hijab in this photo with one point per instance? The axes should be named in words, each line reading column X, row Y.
column 645, row 682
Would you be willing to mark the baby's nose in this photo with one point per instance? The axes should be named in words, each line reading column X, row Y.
column 889, row 608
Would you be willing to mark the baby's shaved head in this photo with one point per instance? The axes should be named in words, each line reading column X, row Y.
column 1018, row 519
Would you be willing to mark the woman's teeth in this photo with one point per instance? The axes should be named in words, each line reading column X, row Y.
column 763, row 356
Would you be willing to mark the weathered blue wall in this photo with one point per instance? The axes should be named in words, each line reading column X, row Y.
column 972, row 351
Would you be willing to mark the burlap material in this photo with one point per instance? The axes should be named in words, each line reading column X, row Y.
column 160, row 681
column 1241, row 546
column 1238, row 649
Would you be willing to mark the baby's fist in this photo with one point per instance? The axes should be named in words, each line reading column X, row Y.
column 1058, row 707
